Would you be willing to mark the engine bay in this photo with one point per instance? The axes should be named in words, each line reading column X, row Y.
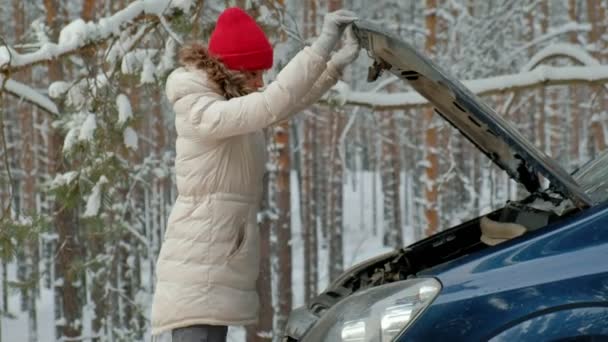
column 532, row 213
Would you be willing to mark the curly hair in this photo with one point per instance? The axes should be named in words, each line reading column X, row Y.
column 232, row 84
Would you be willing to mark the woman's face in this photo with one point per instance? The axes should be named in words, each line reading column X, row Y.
column 255, row 79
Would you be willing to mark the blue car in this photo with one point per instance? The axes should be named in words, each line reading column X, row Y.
column 534, row 270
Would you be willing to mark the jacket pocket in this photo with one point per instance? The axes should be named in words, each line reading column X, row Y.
column 239, row 240
column 230, row 219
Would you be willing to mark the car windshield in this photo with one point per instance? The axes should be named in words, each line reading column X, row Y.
column 593, row 178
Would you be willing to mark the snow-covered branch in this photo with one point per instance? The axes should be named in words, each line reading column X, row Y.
column 574, row 52
column 542, row 75
column 28, row 94
column 567, row 28
column 79, row 34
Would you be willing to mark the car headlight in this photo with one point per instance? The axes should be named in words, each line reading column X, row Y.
column 376, row 314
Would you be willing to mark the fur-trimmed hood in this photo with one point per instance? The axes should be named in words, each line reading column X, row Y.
column 230, row 83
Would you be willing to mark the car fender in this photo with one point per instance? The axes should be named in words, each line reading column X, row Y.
column 551, row 325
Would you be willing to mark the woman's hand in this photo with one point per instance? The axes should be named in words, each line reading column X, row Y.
column 334, row 24
column 349, row 51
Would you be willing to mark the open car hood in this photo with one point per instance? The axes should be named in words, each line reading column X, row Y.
column 492, row 134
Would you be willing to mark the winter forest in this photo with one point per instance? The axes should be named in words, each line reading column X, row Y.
column 87, row 146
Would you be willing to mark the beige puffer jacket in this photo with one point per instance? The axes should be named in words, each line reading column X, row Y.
column 209, row 260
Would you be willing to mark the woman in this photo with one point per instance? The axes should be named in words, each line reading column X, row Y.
column 208, row 264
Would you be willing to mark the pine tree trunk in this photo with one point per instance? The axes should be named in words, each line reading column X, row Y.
column 532, row 109
column 282, row 225
column 321, row 159
column 67, row 296
column 575, row 111
column 98, row 282
column 603, row 58
column 128, row 275
column 334, row 201
column 412, row 192
column 308, row 212
column 370, row 137
column 390, row 166
column 333, row 218
column 309, row 227
column 88, row 9
column 432, row 161
column 542, row 110
column 263, row 331
column 28, row 183
column 596, row 16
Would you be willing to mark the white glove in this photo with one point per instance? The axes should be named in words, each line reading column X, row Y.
column 349, row 51
column 333, row 26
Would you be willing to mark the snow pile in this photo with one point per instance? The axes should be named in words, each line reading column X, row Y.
column 58, row 89
column 156, row 7
column 87, row 130
column 148, row 71
column 79, row 94
column 339, row 93
column 134, row 60
column 70, row 140
column 94, row 200
column 124, row 109
column 167, row 60
column 76, row 96
column 75, row 125
column 130, row 138
column 64, row 179
column 76, row 33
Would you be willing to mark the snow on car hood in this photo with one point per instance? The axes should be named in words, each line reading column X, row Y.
column 491, row 133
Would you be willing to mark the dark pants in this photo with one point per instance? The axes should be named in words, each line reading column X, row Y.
column 200, row 333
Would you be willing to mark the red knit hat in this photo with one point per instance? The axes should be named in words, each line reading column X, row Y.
column 239, row 42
